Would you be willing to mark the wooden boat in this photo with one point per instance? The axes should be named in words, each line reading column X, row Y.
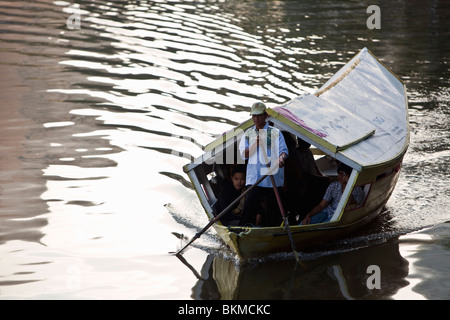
column 358, row 117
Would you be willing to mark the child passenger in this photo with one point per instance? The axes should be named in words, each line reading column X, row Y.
column 229, row 193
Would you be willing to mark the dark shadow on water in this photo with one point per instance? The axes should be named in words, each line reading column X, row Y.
column 331, row 275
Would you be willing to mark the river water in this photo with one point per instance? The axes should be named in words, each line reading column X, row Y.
column 103, row 101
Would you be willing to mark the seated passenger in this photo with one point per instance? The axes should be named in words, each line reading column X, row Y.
column 325, row 209
column 229, row 193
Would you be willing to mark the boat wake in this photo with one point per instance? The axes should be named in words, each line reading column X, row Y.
column 191, row 218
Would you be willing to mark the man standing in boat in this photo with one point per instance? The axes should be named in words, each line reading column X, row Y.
column 264, row 147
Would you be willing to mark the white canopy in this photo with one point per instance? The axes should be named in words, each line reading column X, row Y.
column 360, row 113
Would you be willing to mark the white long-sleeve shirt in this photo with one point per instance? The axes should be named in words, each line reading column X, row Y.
column 272, row 139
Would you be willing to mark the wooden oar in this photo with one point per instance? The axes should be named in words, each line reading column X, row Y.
column 220, row 215
column 280, row 205
column 285, row 219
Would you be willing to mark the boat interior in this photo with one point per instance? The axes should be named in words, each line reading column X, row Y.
column 302, row 191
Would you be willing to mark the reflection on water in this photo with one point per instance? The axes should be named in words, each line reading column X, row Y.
column 428, row 255
column 97, row 122
column 338, row 276
column 405, row 264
